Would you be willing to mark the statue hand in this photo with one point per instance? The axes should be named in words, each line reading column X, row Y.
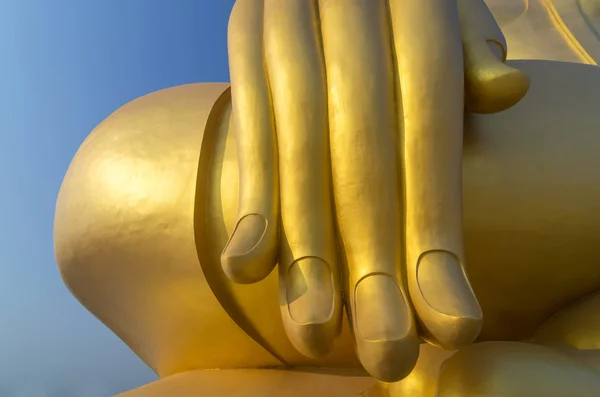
column 349, row 114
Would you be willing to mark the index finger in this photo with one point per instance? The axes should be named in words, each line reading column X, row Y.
column 251, row 252
column 430, row 70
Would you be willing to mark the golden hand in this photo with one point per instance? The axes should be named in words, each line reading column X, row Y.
column 349, row 115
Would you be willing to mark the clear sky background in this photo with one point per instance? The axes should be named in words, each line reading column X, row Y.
column 64, row 66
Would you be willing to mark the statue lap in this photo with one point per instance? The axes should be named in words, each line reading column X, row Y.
column 137, row 234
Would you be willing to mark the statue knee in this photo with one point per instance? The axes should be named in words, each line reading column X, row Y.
column 125, row 239
column 124, row 232
column 129, row 192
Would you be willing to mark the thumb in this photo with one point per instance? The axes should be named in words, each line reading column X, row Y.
column 490, row 85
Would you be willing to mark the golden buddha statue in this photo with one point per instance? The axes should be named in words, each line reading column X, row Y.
column 341, row 153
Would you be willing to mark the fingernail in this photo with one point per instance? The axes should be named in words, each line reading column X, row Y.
column 309, row 289
column 387, row 343
column 382, row 313
column 248, row 232
column 444, row 285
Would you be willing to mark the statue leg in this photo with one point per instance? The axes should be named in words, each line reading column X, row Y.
column 259, row 383
column 517, row 370
column 575, row 330
column 424, row 380
column 502, row 369
column 564, row 359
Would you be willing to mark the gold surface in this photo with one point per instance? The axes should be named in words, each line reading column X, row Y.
column 167, row 221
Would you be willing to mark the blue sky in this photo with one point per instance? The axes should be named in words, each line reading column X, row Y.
column 64, row 66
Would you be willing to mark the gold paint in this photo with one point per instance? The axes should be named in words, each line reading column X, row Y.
column 154, row 194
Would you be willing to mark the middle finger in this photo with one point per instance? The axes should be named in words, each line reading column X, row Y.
column 363, row 139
